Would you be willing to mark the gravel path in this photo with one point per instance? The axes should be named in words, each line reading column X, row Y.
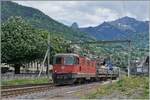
column 61, row 92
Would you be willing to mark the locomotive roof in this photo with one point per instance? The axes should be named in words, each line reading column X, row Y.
column 67, row 54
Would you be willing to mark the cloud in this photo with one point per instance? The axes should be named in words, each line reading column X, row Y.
column 89, row 13
column 85, row 19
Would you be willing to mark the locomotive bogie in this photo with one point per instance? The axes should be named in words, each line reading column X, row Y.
column 63, row 78
column 70, row 78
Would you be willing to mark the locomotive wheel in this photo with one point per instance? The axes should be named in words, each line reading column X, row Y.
column 93, row 79
column 81, row 80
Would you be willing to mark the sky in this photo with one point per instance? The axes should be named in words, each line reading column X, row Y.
column 90, row 13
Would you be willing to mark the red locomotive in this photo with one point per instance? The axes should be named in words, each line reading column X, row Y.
column 70, row 68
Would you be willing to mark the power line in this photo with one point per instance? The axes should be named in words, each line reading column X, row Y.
column 103, row 42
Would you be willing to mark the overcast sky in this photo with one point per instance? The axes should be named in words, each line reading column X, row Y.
column 90, row 13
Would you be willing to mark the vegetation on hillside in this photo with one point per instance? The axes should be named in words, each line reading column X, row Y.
column 39, row 20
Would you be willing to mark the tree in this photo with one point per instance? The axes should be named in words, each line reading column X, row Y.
column 58, row 45
column 21, row 42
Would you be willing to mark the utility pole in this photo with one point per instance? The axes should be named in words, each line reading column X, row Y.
column 119, row 73
column 48, row 41
column 129, row 57
column 46, row 56
column 43, row 63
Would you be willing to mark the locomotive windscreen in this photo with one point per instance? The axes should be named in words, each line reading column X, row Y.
column 66, row 60
column 69, row 60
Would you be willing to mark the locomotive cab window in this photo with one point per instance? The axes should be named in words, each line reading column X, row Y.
column 88, row 63
column 57, row 60
column 69, row 60
column 77, row 60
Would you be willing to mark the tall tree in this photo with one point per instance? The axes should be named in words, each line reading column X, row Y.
column 21, row 42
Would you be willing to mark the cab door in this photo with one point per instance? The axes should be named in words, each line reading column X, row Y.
column 77, row 65
column 83, row 65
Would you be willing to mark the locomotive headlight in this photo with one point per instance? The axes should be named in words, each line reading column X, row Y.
column 62, row 67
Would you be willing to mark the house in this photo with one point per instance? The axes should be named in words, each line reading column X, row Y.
column 141, row 67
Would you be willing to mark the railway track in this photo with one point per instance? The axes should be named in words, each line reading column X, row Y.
column 10, row 91
column 18, row 90
column 24, row 85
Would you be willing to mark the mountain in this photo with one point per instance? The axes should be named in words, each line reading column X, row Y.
column 105, row 31
column 130, row 24
column 74, row 26
column 41, row 21
column 123, row 28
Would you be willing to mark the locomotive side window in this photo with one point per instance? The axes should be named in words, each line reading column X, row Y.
column 69, row 60
column 77, row 60
column 57, row 60
column 88, row 63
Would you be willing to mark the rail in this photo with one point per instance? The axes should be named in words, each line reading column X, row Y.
column 10, row 91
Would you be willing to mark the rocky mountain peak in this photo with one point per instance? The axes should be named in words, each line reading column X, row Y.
column 74, row 25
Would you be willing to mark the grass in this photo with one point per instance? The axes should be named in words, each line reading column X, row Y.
column 132, row 88
column 26, row 81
